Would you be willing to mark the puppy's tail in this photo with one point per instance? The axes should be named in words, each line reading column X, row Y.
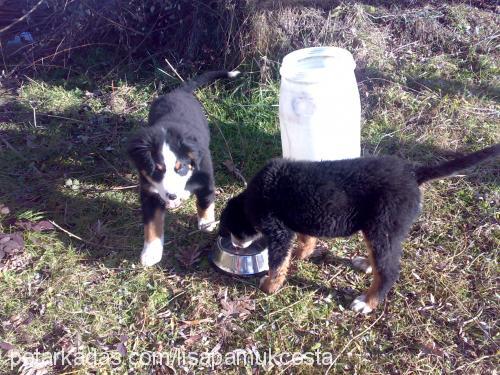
column 432, row 172
column 208, row 77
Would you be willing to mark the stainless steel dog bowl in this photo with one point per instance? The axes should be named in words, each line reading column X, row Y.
column 243, row 262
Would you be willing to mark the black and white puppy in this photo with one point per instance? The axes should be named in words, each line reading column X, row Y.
column 173, row 159
column 378, row 196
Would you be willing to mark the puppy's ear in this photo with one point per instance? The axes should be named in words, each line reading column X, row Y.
column 140, row 150
column 191, row 148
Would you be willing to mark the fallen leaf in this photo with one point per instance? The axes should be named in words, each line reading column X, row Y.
column 430, row 347
column 6, row 346
column 189, row 323
column 4, row 210
column 35, row 226
column 188, row 256
column 120, row 347
column 32, row 366
column 239, row 307
column 11, row 242
column 192, row 340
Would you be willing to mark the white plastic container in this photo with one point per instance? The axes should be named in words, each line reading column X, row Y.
column 319, row 105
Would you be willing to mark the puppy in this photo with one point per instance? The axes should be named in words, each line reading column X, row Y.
column 378, row 196
column 173, row 159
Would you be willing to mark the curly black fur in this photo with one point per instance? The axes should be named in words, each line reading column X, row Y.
column 379, row 196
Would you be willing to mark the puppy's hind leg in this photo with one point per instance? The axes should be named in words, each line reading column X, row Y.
column 279, row 249
column 384, row 254
column 153, row 212
column 305, row 246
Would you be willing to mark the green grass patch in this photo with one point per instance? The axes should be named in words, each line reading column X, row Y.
column 63, row 159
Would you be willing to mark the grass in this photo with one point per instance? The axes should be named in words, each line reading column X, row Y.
column 92, row 296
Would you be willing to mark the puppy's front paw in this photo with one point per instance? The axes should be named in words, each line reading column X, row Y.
column 269, row 285
column 359, row 305
column 206, row 225
column 361, row 264
column 171, row 204
column 206, row 218
column 152, row 252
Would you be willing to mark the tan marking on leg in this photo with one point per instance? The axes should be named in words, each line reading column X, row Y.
column 372, row 295
column 305, row 247
column 275, row 278
column 206, row 217
column 154, row 229
column 207, row 213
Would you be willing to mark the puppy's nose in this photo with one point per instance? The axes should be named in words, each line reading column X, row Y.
column 172, row 197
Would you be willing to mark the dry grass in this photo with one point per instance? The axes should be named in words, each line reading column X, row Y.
column 429, row 87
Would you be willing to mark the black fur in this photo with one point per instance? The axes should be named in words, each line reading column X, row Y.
column 427, row 173
column 379, row 196
column 177, row 119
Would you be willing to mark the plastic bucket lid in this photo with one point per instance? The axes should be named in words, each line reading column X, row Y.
column 315, row 64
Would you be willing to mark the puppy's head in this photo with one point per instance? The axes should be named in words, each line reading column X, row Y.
column 234, row 222
column 165, row 162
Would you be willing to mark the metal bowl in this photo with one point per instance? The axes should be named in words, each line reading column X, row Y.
column 242, row 262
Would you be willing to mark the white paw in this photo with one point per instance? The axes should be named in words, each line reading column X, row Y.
column 233, row 74
column 361, row 264
column 171, row 204
column 152, row 252
column 207, row 225
column 359, row 305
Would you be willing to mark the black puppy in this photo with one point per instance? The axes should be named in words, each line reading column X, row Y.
column 379, row 196
column 174, row 161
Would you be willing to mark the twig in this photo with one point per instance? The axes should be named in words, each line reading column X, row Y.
column 49, row 115
column 41, row 59
column 102, row 191
column 79, row 238
column 232, row 168
column 34, row 114
column 3, row 56
column 66, row 231
column 173, row 69
column 20, row 155
column 472, row 363
column 286, row 307
column 22, row 18
column 228, row 149
column 192, row 232
column 351, row 340
column 63, row 118
column 133, row 50
column 114, row 168
column 123, row 187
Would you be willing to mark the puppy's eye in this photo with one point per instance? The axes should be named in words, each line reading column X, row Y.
column 181, row 169
column 158, row 172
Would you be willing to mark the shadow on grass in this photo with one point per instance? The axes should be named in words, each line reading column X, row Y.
column 373, row 77
column 72, row 166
